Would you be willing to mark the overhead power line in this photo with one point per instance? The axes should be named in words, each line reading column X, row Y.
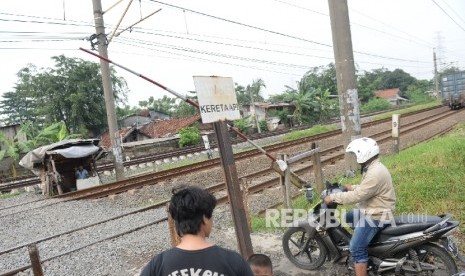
column 453, row 10
column 460, row 26
column 361, row 25
column 242, row 24
column 271, row 31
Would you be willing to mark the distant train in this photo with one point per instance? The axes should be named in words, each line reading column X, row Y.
column 453, row 90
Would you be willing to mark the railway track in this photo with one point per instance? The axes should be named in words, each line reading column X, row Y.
column 150, row 179
column 7, row 185
column 329, row 156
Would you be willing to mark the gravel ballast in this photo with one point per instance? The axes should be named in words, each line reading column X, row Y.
column 127, row 254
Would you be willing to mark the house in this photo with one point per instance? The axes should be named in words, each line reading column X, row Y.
column 10, row 132
column 145, row 116
column 150, row 131
column 168, row 128
column 391, row 95
column 134, row 120
column 261, row 109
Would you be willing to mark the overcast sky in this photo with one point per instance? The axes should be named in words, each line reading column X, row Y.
column 276, row 40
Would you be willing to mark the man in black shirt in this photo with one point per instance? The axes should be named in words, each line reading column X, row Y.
column 191, row 209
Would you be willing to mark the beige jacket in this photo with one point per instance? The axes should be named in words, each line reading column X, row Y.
column 375, row 195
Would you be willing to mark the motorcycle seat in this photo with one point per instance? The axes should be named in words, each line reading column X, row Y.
column 409, row 223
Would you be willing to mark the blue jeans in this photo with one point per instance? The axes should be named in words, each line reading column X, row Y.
column 365, row 229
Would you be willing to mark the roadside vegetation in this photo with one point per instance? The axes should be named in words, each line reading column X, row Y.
column 405, row 110
column 317, row 129
column 428, row 179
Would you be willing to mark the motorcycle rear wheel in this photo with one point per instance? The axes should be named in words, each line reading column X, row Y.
column 304, row 251
column 439, row 257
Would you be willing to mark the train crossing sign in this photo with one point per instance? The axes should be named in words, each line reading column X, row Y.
column 217, row 98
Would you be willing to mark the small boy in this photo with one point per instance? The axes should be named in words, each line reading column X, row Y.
column 261, row 265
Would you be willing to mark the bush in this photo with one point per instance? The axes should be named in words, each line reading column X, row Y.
column 376, row 105
column 189, row 136
column 417, row 96
column 263, row 126
column 242, row 125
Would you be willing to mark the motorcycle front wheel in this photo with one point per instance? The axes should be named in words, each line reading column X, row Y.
column 304, row 251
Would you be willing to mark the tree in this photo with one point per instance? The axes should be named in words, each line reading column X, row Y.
column 302, row 100
column 126, row 110
column 324, row 105
column 164, row 105
column 18, row 106
column 397, row 79
column 12, row 148
column 368, row 83
column 380, row 79
column 322, row 77
column 242, row 97
column 49, row 135
column 183, row 109
column 71, row 92
column 251, row 93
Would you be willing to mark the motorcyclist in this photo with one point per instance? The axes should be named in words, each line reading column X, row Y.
column 375, row 197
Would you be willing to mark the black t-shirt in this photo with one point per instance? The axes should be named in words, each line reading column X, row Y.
column 211, row 261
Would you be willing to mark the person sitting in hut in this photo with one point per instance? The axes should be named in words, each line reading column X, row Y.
column 81, row 173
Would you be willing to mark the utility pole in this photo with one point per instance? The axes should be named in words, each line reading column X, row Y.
column 436, row 75
column 346, row 80
column 108, row 90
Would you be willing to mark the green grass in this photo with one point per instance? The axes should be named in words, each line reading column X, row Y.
column 404, row 110
column 317, row 129
column 429, row 178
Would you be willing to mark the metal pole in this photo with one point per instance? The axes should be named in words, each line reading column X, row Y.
column 234, row 191
column 187, row 100
column 345, row 72
column 35, row 260
column 107, row 90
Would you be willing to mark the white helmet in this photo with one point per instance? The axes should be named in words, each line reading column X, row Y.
column 364, row 148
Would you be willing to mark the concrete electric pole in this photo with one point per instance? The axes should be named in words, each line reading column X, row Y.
column 108, row 90
column 345, row 72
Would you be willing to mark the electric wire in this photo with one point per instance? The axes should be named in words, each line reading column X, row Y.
column 270, row 31
column 453, row 10
column 460, row 26
column 175, row 47
column 355, row 23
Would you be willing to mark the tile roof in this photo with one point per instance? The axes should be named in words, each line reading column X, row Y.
column 165, row 128
column 105, row 141
column 388, row 93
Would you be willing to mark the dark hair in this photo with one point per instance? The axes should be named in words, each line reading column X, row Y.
column 188, row 206
column 260, row 260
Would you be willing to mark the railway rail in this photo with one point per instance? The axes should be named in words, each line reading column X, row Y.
column 21, row 182
column 149, row 179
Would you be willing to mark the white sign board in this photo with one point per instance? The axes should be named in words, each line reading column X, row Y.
column 217, row 99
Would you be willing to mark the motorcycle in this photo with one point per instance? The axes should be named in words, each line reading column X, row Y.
column 414, row 245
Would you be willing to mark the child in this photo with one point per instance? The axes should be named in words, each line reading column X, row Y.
column 261, row 265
